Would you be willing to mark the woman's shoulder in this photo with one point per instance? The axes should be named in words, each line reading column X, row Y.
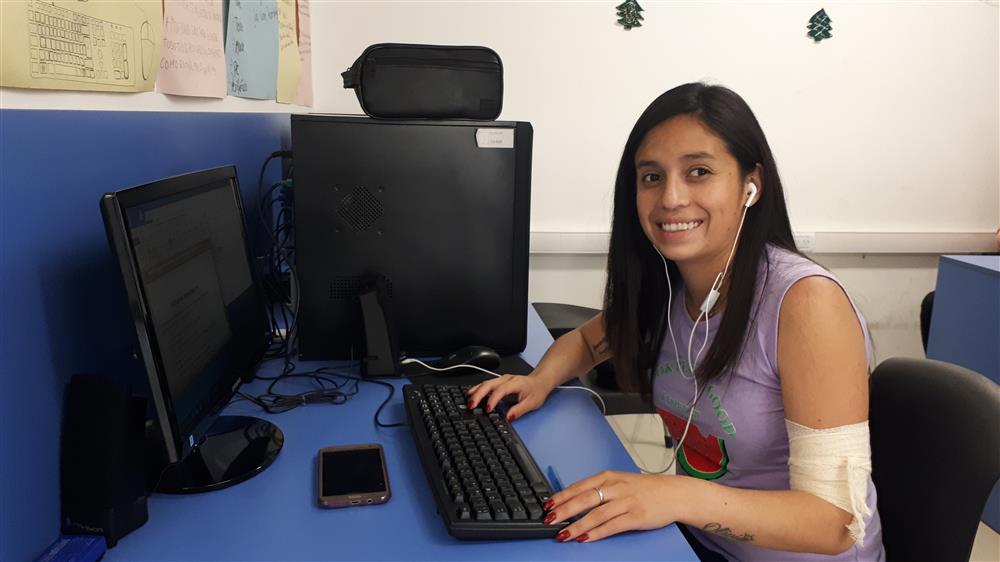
column 795, row 285
column 814, row 285
column 783, row 258
column 785, row 269
column 782, row 268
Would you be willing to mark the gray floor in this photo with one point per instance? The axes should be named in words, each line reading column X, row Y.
column 642, row 435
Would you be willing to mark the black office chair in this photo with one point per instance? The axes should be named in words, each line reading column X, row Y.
column 935, row 438
column 926, row 309
column 562, row 318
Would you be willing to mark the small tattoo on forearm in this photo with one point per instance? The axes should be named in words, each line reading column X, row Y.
column 727, row 532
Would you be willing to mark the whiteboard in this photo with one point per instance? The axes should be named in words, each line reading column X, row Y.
column 890, row 126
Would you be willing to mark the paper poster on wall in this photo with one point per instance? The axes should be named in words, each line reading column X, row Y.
column 192, row 60
column 288, row 52
column 71, row 45
column 305, row 96
column 252, row 49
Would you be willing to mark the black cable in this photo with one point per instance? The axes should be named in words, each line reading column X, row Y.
column 268, row 255
column 337, row 393
column 277, row 257
column 290, row 324
column 392, row 392
column 267, row 282
column 316, row 375
column 274, row 402
column 290, row 328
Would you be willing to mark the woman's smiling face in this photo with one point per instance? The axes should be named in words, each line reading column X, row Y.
column 689, row 191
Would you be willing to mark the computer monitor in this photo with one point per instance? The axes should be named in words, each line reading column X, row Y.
column 181, row 244
column 436, row 212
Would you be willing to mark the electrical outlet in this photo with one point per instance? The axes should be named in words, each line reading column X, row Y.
column 805, row 241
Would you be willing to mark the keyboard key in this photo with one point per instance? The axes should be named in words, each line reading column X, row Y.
column 534, row 510
column 483, row 513
column 517, row 510
column 499, row 510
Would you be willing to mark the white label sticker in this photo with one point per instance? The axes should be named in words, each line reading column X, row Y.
column 495, row 138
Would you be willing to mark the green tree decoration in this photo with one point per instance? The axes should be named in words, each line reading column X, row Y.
column 629, row 14
column 820, row 26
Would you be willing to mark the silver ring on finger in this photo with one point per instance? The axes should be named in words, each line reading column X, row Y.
column 600, row 495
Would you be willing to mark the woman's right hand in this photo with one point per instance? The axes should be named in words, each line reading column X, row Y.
column 530, row 391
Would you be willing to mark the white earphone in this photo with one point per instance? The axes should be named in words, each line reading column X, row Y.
column 706, row 308
column 751, row 193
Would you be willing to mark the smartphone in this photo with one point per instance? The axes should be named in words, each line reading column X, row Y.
column 353, row 475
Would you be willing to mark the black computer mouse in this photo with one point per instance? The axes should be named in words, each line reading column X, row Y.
column 478, row 355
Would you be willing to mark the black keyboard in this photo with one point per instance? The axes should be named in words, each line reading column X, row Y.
column 485, row 482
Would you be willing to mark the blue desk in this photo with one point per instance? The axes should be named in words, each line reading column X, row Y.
column 274, row 515
column 965, row 327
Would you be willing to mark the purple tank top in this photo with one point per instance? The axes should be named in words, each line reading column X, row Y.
column 737, row 436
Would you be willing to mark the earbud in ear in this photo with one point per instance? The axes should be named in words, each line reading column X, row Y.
column 751, row 193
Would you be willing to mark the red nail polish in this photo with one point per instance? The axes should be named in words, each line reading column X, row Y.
column 471, row 406
column 548, row 505
column 549, row 518
column 583, row 538
column 511, row 417
column 489, row 409
column 563, row 536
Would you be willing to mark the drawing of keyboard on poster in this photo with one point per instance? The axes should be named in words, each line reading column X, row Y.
column 70, row 45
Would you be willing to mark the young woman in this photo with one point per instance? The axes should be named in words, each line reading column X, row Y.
column 754, row 356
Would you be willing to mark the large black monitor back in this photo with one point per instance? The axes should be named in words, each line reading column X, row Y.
column 438, row 209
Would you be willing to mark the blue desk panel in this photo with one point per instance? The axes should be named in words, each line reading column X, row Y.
column 63, row 304
column 965, row 327
column 274, row 515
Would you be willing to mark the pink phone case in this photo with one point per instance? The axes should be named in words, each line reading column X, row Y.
column 350, row 500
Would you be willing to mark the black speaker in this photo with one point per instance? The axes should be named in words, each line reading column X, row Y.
column 381, row 355
column 102, row 473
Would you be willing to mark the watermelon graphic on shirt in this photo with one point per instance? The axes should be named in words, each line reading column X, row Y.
column 702, row 456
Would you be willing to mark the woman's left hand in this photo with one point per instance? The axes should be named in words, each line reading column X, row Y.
column 614, row 502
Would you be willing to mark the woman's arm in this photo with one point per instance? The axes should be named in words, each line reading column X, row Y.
column 575, row 352
column 782, row 519
column 572, row 355
column 824, row 376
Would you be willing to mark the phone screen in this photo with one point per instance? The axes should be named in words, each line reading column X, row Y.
column 357, row 471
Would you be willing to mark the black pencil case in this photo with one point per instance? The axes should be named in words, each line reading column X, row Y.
column 396, row 80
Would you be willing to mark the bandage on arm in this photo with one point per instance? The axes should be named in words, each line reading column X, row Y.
column 595, row 337
column 833, row 464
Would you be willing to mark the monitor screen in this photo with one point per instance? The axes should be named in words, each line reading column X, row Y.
column 181, row 243
column 434, row 212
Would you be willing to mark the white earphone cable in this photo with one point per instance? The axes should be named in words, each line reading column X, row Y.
column 670, row 298
column 604, row 409
column 706, row 308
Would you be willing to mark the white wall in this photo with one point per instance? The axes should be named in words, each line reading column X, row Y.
column 891, row 126
column 887, row 288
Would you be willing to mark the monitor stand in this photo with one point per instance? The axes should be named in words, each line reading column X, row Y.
column 235, row 449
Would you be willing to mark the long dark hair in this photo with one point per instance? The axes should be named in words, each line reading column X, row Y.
column 635, row 296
